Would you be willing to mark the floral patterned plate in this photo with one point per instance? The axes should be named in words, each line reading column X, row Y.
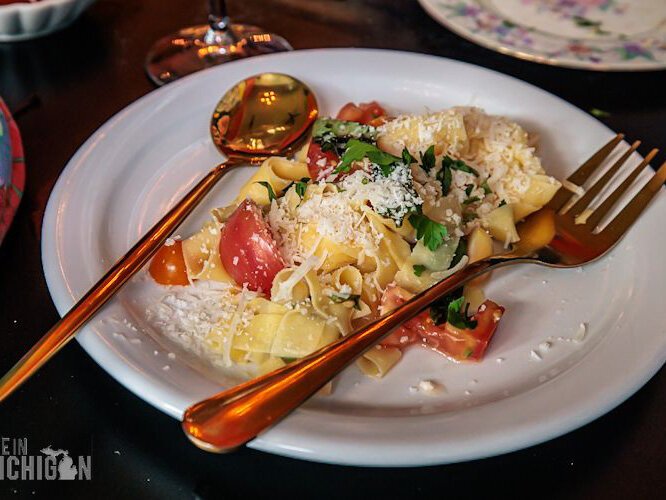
column 602, row 35
column 12, row 169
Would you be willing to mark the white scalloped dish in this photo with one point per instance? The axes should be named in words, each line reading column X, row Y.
column 23, row 21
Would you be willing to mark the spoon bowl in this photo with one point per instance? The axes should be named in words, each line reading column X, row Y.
column 263, row 115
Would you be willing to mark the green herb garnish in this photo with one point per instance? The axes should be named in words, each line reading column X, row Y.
column 467, row 352
column 432, row 233
column 458, row 165
column 468, row 189
column 469, row 216
column 407, row 157
column 445, row 177
column 439, row 309
column 428, row 159
column 502, row 203
column 461, row 251
column 269, row 188
column 486, row 187
column 302, row 186
column 340, row 298
column 471, row 200
column 418, row 269
column 457, row 317
column 357, row 150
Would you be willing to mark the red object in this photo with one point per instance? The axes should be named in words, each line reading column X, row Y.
column 456, row 343
column 248, row 250
column 168, row 265
column 368, row 113
column 320, row 163
column 12, row 169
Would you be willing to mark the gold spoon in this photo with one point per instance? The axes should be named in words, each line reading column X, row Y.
column 261, row 116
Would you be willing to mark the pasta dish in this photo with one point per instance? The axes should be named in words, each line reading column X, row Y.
column 373, row 210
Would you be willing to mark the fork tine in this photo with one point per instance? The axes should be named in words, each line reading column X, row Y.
column 611, row 200
column 583, row 173
column 589, row 195
column 623, row 221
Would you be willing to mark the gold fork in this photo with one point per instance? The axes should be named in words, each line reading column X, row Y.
column 554, row 236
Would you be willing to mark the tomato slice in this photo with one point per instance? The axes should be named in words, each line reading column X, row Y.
column 168, row 265
column 456, row 343
column 365, row 113
column 463, row 344
column 248, row 250
column 320, row 163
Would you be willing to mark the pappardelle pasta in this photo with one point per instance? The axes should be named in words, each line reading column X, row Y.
column 373, row 210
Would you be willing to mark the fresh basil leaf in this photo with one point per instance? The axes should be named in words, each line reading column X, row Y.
column 457, row 317
column 470, row 200
column 302, row 186
column 432, row 233
column 428, row 159
column 269, row 188
column 439, row 309
column 357, row 150
column 418, row 269
column 407, row 157
column 468, row 189
column 458, row 165
column 445, row 177
column 486, row 187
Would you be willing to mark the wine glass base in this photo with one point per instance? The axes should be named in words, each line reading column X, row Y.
column 199, row 47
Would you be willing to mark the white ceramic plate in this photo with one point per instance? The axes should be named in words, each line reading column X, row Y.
column 146, row 157
column 602, row 35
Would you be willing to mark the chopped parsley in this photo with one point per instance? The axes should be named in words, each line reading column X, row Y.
column 467, row 352
column 340, row 298
column 455, row 316
column 269, row 188
column 432, row 233
column 418, row 269
column 357, row 150
column 365, row 180
column 428, row 159
column 458, row 165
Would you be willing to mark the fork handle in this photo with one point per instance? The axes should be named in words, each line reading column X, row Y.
column 234, row 417
column 115, row 278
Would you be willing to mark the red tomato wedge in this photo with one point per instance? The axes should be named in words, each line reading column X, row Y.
column 168, row 265
column 365, row 112
column 456, row 343
column 248, row 250
column 320, row 163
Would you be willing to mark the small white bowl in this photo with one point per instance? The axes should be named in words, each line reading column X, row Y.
column 22, row 21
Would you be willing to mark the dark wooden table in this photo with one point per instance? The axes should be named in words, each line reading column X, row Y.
column 79, row 78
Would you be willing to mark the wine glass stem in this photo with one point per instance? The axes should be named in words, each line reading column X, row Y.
column 217, row 15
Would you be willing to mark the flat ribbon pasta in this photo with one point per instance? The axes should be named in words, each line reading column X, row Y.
column 278, row 172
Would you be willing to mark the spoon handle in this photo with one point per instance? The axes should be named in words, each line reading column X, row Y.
column 234, row 417
column 110, row 283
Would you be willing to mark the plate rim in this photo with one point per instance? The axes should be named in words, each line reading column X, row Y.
column 277, row 443
column 496, row 46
